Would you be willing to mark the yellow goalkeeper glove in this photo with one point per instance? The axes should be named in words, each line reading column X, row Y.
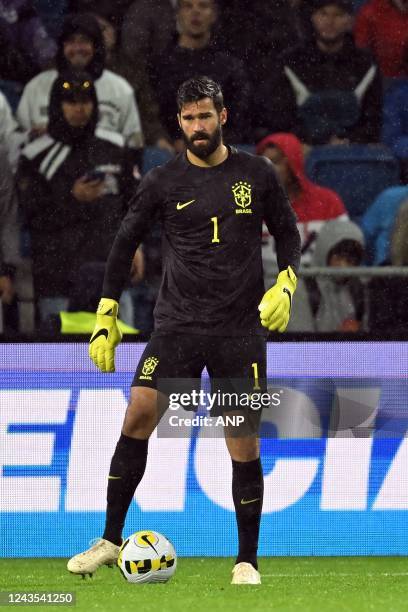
column 106, row 336
column 276, row 304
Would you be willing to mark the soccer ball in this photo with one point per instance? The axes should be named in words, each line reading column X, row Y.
column 147, row 556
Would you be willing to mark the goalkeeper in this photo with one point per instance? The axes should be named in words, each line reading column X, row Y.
column 211, row 311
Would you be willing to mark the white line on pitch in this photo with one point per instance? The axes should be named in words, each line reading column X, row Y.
column 333, row 575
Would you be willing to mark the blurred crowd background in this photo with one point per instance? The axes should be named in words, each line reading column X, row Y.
column 88, row 106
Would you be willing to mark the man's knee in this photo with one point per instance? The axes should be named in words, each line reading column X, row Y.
column 244, row 448
column 145, row 408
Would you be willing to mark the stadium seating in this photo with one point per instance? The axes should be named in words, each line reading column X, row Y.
column 358, row 173
column 153, row 156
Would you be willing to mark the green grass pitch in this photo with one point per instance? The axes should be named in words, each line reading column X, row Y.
column 318, row 584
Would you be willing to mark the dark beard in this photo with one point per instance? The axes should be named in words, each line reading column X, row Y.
column 211, row 144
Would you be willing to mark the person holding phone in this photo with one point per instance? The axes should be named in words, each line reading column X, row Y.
column 72, row 184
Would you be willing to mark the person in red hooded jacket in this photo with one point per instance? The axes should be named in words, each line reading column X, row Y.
column 382, row 27
column 313, row 204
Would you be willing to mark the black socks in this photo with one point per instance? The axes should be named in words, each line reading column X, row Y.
column 247, row 492
column 126, row 471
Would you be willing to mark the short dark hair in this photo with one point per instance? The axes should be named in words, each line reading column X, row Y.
column 178, row 3
column 196, row 89
column 346, row 5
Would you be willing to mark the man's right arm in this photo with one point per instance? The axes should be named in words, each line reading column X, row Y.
column 144, row 207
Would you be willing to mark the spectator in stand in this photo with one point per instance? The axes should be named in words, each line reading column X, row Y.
column 118, row 7
column 8, row 124
column 338, row 303
column 378, row 223
column 10, row 139
column 382, row 27
column 313, row 204
column 81, row 47
column 52, row 15
column 196, row 54
column 270, row 28
column 391, row 314
column 14, row 65
column 25, row 47
column 326, row 90
column 9, row 232
column 20, row 21
column 395, row 126
column 153, row 131
column 73, row 184
column 148, row 29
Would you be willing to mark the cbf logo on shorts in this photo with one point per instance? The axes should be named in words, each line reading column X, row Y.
column 149, row 366
column 242, row 192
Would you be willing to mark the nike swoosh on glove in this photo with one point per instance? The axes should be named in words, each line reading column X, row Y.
column 276, row 304
column 106, row 335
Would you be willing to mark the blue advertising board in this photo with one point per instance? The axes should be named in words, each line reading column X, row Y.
column 334, row 453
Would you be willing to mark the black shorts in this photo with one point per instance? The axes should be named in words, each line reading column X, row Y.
column 174, row 363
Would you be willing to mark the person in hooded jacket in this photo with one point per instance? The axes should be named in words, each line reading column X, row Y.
column 338, row 303
column 81, row 47
column 312, row 203
column 72, row 185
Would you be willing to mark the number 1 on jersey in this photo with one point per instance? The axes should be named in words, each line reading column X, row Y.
column 215, row 235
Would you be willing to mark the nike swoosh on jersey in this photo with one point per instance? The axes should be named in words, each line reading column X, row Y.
column 184, row 204
column 249, row 501
column 101, row 332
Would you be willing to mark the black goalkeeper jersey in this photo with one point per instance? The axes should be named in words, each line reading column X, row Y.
column 212, row 226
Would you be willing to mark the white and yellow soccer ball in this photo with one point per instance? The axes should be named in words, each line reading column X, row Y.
column 147, row 556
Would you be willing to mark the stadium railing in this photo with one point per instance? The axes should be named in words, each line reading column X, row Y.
column 361, row 272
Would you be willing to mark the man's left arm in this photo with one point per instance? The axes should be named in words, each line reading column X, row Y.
column 143, row 209
column 275, row 306
column 280, row 220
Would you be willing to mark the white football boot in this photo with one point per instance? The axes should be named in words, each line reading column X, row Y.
column 245, row 573
column 87, row 562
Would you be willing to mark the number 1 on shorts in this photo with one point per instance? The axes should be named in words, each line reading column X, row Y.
column 256, row 376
